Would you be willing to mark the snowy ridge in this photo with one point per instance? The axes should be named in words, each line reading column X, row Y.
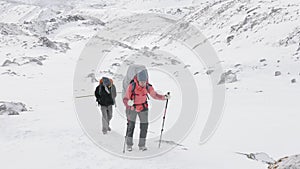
column 288, row 162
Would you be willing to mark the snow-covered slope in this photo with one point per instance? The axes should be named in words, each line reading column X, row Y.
column 257, row 42
column 287, row 162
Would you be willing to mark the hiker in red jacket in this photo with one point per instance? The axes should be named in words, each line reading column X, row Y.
column 135, row 101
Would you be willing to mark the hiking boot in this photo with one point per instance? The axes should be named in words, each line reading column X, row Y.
column 143, row 148
column 104, row 132
column 109, row 129
column 129, row 148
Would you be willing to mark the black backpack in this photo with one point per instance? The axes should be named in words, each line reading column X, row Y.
column 102, row 97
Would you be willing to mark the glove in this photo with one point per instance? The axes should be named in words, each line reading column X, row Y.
column 130, row 102
column 167, row 96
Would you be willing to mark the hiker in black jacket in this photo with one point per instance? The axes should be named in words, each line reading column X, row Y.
column 106, row 94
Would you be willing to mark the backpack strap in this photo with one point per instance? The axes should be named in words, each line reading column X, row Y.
column 148, row 85
column 132, row 83
column 100, row 88
column 98, row 93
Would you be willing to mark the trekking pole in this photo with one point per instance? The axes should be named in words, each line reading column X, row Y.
column 162, row 128
column 125, row 139
column 84, row 96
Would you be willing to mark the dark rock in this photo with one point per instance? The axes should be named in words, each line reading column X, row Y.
column 12, row 108
column 8, row 63
column 36, row 61
column 277, row 73
column 237, row 65
column 228, row 77
column 3, row 32
column 12, row 112
column 208, row 72
column 25, row 60
column 73, row 18
column 262, row 60
column 47, row 43
column 186, row 66
column 11, row 29
column 92, row 77
column 9, row 72
column 52, row 20
column 230, row 38
column 174, row 62
column 63, row 47
column 155, row 48
column 116, row 64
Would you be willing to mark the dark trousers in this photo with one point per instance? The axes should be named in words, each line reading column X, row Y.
column 131, row 118
column 106, row 117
